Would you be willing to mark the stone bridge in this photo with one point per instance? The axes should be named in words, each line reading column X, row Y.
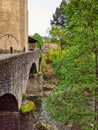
column 14, row 74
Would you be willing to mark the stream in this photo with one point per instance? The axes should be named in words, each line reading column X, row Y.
column 41, row 115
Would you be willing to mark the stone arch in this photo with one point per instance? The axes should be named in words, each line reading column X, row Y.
column 8, row 102
column 31, row 85
column 9, row 41
column 8, row 36
column 33, row 70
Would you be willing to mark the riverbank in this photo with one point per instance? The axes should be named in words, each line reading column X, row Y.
column 43, row 120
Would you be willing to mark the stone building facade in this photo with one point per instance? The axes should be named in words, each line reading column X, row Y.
column 13, row 25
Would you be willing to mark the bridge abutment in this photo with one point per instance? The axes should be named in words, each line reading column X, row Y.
column 16, row 121
column 14, row 73
column 35, row 85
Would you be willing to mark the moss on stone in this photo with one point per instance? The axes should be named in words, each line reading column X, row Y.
column 40, row 73
column 27, row 107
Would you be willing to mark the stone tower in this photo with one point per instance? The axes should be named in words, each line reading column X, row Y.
column 13, row 25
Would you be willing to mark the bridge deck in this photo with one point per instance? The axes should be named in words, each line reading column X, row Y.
column 6, row 56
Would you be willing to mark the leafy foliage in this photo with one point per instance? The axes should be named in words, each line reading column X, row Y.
column 72, row 100
column 73, row 96
column 59, row 17
column 82, row 25
column 24, row 97
column 37, row 37
column 58, row 24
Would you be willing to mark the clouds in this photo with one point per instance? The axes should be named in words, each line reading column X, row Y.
column 40, row 13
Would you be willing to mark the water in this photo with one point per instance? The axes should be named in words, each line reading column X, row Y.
column 43, row 116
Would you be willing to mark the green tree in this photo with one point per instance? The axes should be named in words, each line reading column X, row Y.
column 58, row 36
column 59, row 17
column 58, row 25
column 82, row 22
column 72, row 99
column 37, row 37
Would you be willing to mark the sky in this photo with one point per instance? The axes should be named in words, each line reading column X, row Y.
column 39, row 15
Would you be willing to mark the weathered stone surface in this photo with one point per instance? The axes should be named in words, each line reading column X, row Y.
column 34, row 86
column 13, row 21
column 40, row 126
column 67, row 127
column 16, row 121
column 14, row 73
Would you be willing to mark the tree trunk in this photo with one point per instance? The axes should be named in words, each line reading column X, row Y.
column 96, row 91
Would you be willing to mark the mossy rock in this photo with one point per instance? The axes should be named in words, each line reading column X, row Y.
column 40, row 73
column 27, row 107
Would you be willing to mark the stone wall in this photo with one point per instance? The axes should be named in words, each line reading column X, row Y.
column 16, row 121
column 35, row 85
column 13, row 24
column 14, row 73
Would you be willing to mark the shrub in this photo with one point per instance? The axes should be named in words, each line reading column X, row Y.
column 24, row 97
column 27, row 107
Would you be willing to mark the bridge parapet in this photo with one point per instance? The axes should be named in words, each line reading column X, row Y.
column 14, row 73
